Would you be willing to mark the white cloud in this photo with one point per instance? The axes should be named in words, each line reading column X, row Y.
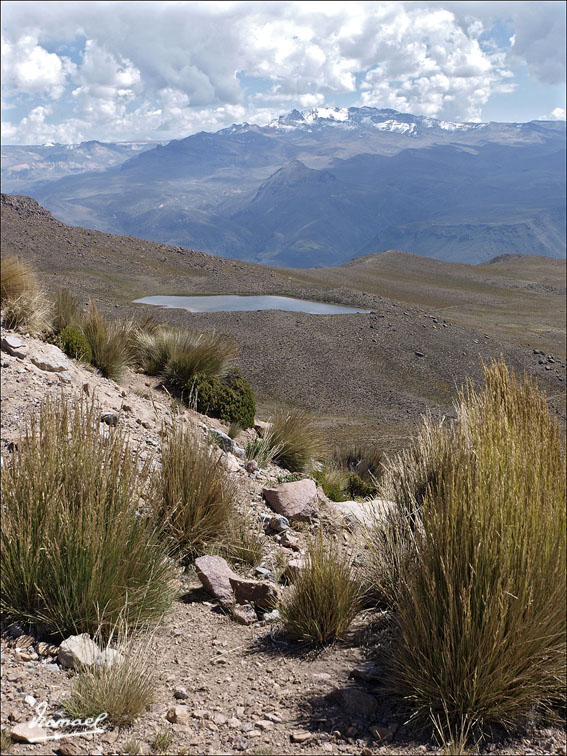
column 558, row 114
column 30, row 69
column 168, row 68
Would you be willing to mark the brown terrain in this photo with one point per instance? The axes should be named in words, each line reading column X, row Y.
column 238, row 689
column 361, row 374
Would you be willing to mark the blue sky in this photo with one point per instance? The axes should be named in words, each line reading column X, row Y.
column 120, row 71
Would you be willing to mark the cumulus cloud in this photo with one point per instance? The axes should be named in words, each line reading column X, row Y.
column 164, row 69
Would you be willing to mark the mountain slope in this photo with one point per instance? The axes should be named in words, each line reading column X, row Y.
column 323, row 186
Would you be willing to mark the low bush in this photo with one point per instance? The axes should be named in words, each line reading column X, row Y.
column 333, row 483
column 230, row 398
column 76, row 552
column 476, row 559
column 74, row 343
column 193, row 496
column 65, row 311
column 299, row 442
column 110, row 342
column 325, row 597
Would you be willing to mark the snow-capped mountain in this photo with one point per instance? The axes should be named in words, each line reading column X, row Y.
column 321, row 186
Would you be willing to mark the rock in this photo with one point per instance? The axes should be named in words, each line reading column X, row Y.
column 109, row 657
column 356, row 703
column 296, row 500
column 215, row 573
column 109, row 418
column 259, row 592
column 272, row 616
column 234, row 723
column 78, row 651
column 419, row 354
column 383, row 734
column 230, row 462
column 69, row 748
column 289, row 541
column 238, row 451
column 293, row 568
column 50, row 358
column 178, row 715
column 221, row 439
column 369, row 672
column 219, row 719
column 65, row 378
column 264, row 724
column 244, row 614
column 300, row 736
column 28, row 733
column 276, row 524
column 261, row 427
column 180, row 693
column 251, row 466
column 264, row 572
column 14, row 345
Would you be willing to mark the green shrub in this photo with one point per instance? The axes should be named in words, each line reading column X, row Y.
column 193, row 496
column 333, row 485
column 230, row 398
column 110, row 342
column 325, row 597
column 359, row 488
column 294, row 433
column 74, row 343
column 479, row 588
column 65, row 310
column 76, row 552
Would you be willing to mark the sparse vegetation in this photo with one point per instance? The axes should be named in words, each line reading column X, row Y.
column 161, row 741
column 123, row 690
column 234, row 429
column 293, row 431
column 475, row 564
column 76, row 552
column 243, row 542
column 325, row 597
column 75, row 344
column 230, row 398
column 193, row 496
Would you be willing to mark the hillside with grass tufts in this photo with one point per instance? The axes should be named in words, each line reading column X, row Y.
column 234, row 532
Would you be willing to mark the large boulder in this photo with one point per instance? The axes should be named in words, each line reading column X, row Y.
column 50, row 358
column 296, row 500
column 14, row 345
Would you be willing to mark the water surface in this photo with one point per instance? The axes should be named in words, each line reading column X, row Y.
column 237, row 303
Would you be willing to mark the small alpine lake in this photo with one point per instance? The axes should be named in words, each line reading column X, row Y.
column 237, row 303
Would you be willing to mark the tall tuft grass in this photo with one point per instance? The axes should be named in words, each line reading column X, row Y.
column 76, row 552
column 262, row 450
column 325, row 597
column 65, row 310
column 479, row 593
column 296, row 437
column 16, row 278
column 111, row 342
column 194, row 353
column 193, row 496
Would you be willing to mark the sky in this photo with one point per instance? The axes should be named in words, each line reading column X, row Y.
column 128, row 71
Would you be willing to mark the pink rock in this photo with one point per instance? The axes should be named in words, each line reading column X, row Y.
column 215, row 573
column 296, row 500
column 28, row 733
column 259, row 592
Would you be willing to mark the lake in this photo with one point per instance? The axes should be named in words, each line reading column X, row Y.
column 236, row 303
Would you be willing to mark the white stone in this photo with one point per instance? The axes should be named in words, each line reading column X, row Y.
column 50, row 358
column 78, row 651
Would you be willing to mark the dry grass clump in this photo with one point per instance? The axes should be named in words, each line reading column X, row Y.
column 193, row 496
column 243, row 541
column 24, row 305
column 325, row 597
column 111, row 342
column 198, row 353
column 477, row 560
column 123, row 690
column 263, row 450
column 65, row 310
column 76, row 552
column 296, row 438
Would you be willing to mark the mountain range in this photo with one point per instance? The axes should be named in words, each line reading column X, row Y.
column 320, row 187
